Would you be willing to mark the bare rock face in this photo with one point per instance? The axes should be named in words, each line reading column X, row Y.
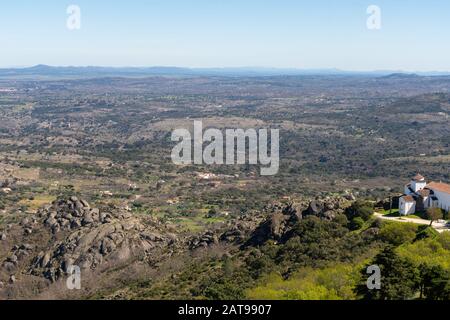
column 70, row 232
column 271, row 229
column 69, row 214
column 95, row 238
column 202, row 241
column 235, row 232
column 252, row 230
column 293, row 212
column 315, row 208
column 283, row 218
column 86, row 237
column 326, row 208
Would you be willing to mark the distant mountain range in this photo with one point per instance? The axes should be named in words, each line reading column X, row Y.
column 45, row 71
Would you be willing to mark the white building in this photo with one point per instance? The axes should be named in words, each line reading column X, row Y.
column 420, row 195
column 440, row 195
column 407, row 205
column 417, row 183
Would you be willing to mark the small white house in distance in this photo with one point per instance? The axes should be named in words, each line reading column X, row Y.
column 420, row 195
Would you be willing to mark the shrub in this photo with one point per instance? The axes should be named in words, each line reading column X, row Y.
column 362, row 209
column 330, row 283
column 341, row 219
column 377, row 223
column 397, row 233
column 424, row 232
column 356, row 223
column 430, row 251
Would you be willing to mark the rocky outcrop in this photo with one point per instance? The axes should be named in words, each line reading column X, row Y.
column 71, row 214
column 70, row 232
column 251, row 229
column 275, row 225
column 283, row 218
column 202, row 241
column 235, row 232
column 327, row 208
column 88, row 238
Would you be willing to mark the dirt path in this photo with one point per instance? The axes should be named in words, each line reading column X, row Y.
column 439, row 226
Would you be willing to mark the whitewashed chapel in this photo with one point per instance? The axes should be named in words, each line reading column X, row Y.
column 420, row 195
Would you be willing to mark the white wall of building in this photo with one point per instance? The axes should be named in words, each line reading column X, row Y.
column 426, row 202
column 444, row 199
column 406, row 208
column 418, row 185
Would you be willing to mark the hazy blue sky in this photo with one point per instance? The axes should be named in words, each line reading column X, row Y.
column 415, row 34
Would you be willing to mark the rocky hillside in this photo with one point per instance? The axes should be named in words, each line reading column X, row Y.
column 37, row 251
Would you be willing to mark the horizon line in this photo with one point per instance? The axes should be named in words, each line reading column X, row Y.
column 229, row 68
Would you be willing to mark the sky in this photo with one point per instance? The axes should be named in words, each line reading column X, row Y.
column 314, row 34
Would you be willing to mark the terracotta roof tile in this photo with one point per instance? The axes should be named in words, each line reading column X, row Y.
column 408, row 198
column 439, row 186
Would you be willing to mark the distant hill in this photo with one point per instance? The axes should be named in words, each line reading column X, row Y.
column 45, row 71
column 401, row 76
column 90, row 71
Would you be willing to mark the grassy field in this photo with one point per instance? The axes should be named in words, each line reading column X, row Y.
column 37, row 201
column 391, row 213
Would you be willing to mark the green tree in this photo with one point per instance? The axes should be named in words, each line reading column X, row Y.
column 430, row 251
column 362, row 209
column 435, row 282
column 434, row 214
column 400, row 279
